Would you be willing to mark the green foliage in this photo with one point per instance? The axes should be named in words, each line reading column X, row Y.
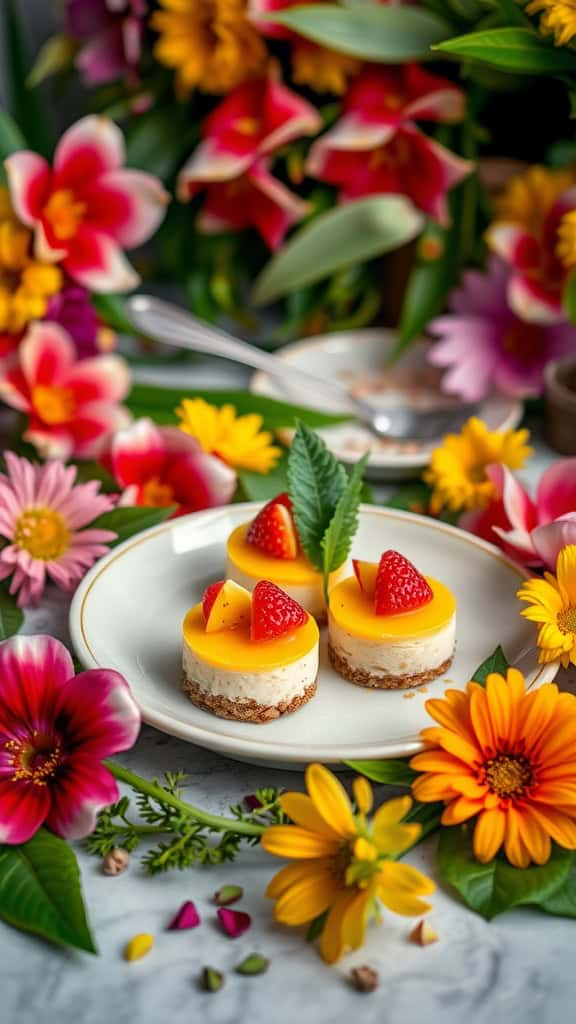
column 316, row 482
column 160, row 403
column 25, row 103
column 55, row 55
column 111, row 311
column 491, row 889
column 366, row 30
column 345, row 235
column 393, row 772
column 125, row 522
column 569, row 298
column 337, row 540
column 40, row 891
column 11, row 616
column 11, row 138
column 496, row 662
column 519, row 50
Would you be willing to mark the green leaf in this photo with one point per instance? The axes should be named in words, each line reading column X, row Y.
column 316, row 927
column 569, row 298
column 490, row 889
column 11, row 138
column 496, row 662
column 562, row 902
column 337, row 540
column 263, row 486
column 54, row 56
column 366, row 30
column 86, row 471
column 520, row 50
column 11, row 616
column 111, row 310
column 40, row 891
column 427, row 288
column 427, row 815
column 160, row 403
column 394, row 772
column 125, row 522
column 345, row 235
column 157, row 143
column 25, row 103
column 316, row 482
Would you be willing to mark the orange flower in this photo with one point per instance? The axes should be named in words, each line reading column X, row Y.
column 507, row 758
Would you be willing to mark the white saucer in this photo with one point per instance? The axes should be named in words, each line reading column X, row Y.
column 126, row 615
column 362, row 354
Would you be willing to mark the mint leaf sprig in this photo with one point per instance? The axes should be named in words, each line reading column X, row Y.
column 325, row 501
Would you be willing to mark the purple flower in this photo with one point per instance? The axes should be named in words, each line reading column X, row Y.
column 111, row 31
column 484, row 345
column 73, row 309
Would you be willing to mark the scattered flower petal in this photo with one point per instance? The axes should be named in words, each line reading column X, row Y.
column 187, row 917
column 211, row 980
column 423, row 934
column 115, row 862
column 234, row 922
column 228, row 894
column 364, row 979
column 138, row 947
column 253, row 964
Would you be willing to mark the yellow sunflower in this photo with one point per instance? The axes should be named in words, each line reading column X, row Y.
column 26, row 284
column 558, row 19
column 507, row 758
column 457, row 471
column 237, row 440
column 552, row 604
column 210, row 44
column 344, row 862
column 528, row 198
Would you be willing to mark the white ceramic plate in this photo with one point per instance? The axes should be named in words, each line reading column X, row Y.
column 127, row 612
column 359, row 357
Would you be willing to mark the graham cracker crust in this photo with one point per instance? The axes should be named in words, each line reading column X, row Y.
column 246, row 710
column 362, row 678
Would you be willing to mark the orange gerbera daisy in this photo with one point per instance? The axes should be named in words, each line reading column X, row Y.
column 347, row 862
column 507, row 758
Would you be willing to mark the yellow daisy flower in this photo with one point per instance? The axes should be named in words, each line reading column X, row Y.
column 321, row 69
column 26, row 284
column 457, row 471
column 552, row 604
column 344, row 863
column 558, row 19
column 210, row 44
column 528, row 198
column 237, row 440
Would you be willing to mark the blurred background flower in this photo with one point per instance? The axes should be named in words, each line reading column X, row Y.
column 110, row 34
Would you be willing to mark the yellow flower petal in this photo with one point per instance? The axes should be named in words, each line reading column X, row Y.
column 354, row 920
column 292, row 874
column 332, row 943
column 297, row 843
column 330, row 800
column 306, row 899
column 395, row 839
column 489, row 834
column 363, row 794
column 302, row 811
column 406, row 878
column 392, row 812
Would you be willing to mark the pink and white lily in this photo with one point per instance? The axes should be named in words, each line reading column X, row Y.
column 376, row 147
column 55, row 729
column 88, row 208
column 232, row 163
column 538, row 273
column 162, row 466
column 531, row 531
column 72, row 404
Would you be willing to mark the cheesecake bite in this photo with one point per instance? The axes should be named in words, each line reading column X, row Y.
column 390, row 627
column 249, row 657
column 268, row 548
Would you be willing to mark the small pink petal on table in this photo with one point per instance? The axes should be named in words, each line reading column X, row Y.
column 187, row 917
column 234, row 922
column 252, row 802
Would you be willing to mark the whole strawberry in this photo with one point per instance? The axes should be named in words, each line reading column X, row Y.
column 399, row 586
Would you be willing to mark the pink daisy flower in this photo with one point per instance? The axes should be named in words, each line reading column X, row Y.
column 55, row 728
column 42, row 516
column 72, row 404
column 483, row 344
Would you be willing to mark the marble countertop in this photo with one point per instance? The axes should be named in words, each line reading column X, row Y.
column 516, row 970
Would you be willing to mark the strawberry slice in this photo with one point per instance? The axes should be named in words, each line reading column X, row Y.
column 399, row 586
column 225, row 605
column 273, row 531
column 274, row 613
column 365, row 573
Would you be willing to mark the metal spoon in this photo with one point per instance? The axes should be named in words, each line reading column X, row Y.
column 168, row 323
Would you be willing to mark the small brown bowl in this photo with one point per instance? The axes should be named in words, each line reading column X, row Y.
column 560, row 394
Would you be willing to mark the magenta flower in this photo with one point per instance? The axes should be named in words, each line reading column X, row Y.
column 88, row 208
column 72, row 404
column 162, row 466
column 55, row 728
column 43, row 515
column 111, row 32
column 73, row 310
column 531, row 531
column 484, row 345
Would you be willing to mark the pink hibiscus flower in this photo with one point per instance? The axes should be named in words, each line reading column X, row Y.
column 88, row 208
column 484, row 345
column 531, row 531
column 376, row 148
column 162, row 466
column 111, row 32
column 43, row 515
column 232, row 163
column 72, row 404
column 55, row 729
